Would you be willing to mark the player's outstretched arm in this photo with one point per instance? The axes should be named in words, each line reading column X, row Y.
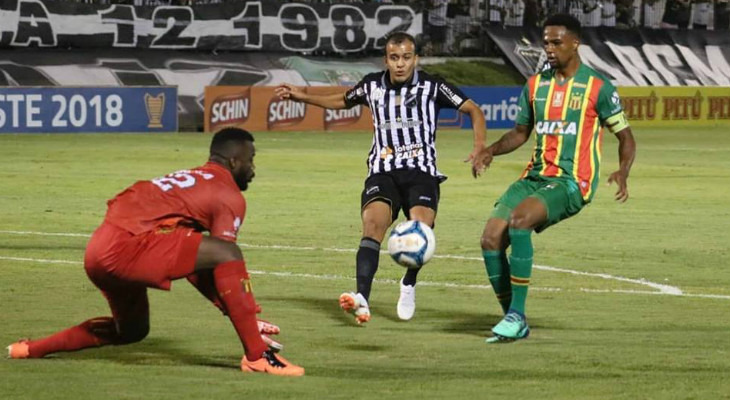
column 510, row 141
column 335, row 101
column 479, row 125
column 626, row 155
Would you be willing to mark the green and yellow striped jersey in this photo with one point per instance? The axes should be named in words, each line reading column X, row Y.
column 568, row 118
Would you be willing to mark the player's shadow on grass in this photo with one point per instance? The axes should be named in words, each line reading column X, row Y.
column 444, row 319
column 322, row 305
column 153, row 352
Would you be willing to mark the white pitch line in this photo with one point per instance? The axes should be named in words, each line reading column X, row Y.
column 46, row 233
column 40, row 260
column 420, row 283
column 663, row 289
column 392, row 281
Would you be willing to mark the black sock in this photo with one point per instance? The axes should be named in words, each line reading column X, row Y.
column 367, row 264
column 410, row 277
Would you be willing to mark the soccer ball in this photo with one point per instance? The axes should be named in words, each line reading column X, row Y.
column 411, row 244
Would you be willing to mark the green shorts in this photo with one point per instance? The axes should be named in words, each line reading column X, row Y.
column 561, row 198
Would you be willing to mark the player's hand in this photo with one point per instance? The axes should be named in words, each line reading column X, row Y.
column 622, row 194
column 480, row 159
column 286, row 91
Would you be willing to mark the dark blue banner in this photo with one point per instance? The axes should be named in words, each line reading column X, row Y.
column 88, row 109
column 499, row 105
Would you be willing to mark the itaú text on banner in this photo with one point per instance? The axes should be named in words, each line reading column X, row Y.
column 687, row 106
column 258, row 108
column 88, row 109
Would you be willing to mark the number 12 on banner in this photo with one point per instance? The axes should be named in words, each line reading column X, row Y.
column 298, row 27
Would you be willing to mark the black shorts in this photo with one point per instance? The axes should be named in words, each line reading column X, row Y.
column 402, row 189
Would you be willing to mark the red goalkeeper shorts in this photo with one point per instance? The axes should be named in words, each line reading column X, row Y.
column 116, row 257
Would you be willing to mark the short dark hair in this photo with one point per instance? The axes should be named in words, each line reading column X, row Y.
column 400, row 37
column 570, row 23
column 223, row 139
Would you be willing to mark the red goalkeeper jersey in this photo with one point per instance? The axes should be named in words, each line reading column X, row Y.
column 206, row 198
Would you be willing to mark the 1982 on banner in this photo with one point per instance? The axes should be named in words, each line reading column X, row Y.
column 252, row 25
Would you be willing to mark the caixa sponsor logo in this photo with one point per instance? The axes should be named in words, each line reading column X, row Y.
column 285, row 112
column 232, row 109
column 341, row 117
column 556, row 128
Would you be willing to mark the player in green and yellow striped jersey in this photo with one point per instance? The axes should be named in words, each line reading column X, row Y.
column 568, row 106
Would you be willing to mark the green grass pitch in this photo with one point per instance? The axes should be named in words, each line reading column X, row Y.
column 630, row 301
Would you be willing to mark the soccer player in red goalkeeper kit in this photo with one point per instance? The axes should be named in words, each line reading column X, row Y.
column 151, row 235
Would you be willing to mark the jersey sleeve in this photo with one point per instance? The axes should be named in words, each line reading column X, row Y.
column 609, row 102
column 356, row 95
column 524, row 108
column 228, row 217
column 449, row 96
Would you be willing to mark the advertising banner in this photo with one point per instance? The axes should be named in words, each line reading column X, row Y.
column 676, row 106
column 499, row 105
column 191, row 72
column 231, row 25
column 87, row 109
column 257, row 108
column 632, row 57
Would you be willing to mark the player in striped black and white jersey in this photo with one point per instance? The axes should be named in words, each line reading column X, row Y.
column 402, row 172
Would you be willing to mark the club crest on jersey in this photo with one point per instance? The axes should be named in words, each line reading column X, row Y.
column 411, row 101
column 556, row 128
column 576, row 99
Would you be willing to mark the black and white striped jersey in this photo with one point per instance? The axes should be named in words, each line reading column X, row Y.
column 405, row 118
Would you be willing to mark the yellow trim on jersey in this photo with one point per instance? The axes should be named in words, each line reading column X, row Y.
column 595, row 133
column 534, row 95
column 616, row 123
column 546, row 117
column 578, row 142
column 566, row 102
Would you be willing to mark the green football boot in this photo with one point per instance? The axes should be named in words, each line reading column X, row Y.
column 512, row 327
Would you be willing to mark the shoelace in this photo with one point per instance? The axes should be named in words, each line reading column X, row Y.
column 513, row 317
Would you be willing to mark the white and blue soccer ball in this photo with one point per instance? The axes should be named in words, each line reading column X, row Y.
column 411, row 244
